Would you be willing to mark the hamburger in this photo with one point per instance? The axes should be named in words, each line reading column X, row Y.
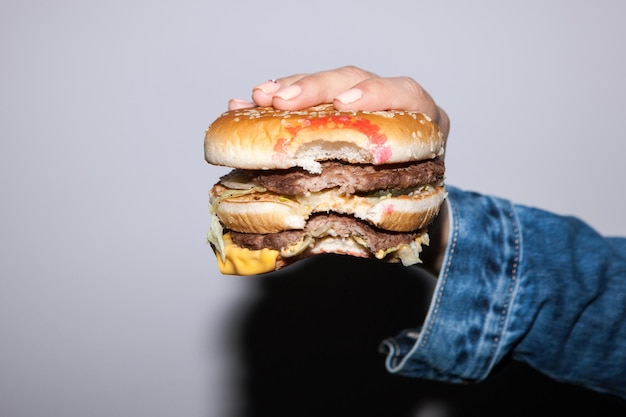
column 313, row 181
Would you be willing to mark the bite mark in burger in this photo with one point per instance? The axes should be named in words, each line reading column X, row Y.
column 318, row 180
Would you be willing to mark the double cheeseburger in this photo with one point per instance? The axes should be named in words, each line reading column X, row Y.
column 318, row 180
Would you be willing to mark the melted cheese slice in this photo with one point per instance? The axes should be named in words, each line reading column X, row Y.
column 242, row 261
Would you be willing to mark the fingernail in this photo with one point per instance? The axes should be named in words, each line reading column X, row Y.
column 268, row 87
column 290, row 92
column 350, row 96
column 236, row 104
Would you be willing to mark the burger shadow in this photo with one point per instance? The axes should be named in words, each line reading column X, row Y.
column 309, row 345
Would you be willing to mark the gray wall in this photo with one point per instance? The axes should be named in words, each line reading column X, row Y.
column 110, row 301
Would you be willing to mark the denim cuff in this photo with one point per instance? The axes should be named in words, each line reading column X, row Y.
column 466, row 330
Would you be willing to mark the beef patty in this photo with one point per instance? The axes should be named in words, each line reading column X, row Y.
column 349, row 178
column 342, row 226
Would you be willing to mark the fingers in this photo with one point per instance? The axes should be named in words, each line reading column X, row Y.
column 264, row 93
column 300, row 91
column 236, row 104
column 402, row 93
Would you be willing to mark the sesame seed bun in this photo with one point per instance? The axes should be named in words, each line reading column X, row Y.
column 266, row 138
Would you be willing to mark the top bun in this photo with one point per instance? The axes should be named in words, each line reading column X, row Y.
column 267, row 138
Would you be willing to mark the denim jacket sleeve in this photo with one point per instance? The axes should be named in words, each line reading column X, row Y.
column 545, row 289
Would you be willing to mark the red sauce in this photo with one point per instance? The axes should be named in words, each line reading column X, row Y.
column 376, row 140
column 280, row 149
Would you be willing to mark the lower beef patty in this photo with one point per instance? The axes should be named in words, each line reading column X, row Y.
column 343, row 226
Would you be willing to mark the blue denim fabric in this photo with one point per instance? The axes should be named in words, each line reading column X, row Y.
column 546, row 289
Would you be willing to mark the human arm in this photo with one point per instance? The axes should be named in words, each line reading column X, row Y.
column 517, row 281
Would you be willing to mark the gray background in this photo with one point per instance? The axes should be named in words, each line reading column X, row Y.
column 110, row 301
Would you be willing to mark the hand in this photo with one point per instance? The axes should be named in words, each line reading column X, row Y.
column 347, row 88
column 351, row 88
